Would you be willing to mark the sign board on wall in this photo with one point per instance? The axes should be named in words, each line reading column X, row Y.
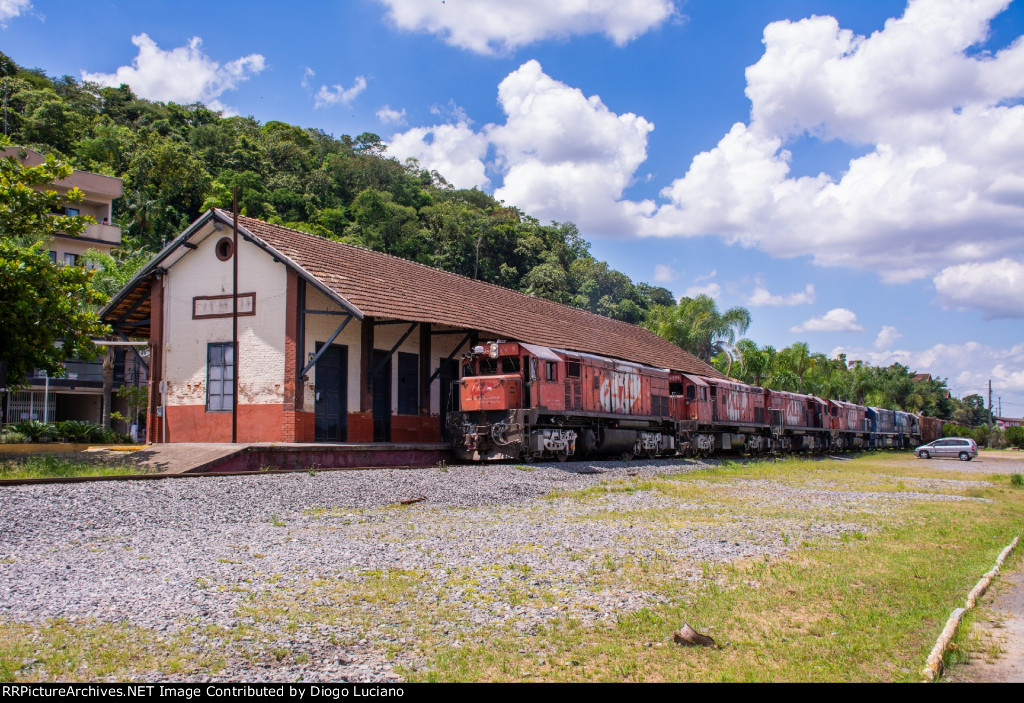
column 207, row 306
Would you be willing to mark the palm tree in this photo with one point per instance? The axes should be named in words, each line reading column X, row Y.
column 696, row 325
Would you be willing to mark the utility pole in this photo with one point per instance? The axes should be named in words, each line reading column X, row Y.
column 234, row 316
column 990, row 411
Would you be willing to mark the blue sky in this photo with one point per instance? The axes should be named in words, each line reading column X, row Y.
column 853, row 173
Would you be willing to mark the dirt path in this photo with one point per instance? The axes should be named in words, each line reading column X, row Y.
column 997, row 635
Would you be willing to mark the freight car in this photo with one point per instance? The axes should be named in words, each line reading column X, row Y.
column 523, row 401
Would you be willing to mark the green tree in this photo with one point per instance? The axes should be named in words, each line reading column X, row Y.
column 49, row 311
column 696, row 325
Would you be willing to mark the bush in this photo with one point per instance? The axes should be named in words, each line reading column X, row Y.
column 12, row 437
column 1015, row 436
column 953, row 430
column 34, row 430
column 79, row 431
column 1017, row 480
column 981, row 435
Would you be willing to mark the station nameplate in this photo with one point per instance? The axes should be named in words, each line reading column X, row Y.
column 204, row 306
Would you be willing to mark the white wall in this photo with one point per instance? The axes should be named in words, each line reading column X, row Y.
column 260, row 337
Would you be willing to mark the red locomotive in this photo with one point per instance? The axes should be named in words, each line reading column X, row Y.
column 523, row 401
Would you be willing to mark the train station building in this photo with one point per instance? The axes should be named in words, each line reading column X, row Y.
column 336, row 344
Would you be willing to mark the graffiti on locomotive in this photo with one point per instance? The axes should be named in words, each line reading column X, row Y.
column 619, row 391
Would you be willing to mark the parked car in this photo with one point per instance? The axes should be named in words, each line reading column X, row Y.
column 963, row 449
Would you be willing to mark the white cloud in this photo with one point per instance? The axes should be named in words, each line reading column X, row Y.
column 762, row 296
column 940, row 182
column 389, row 116
column 835, row 320
column 664, row 273
column 712, row 290
column 9, row 9
column 454, row 151
column 563, row 156
column 306, row 75
column 566, row 156
column 182, row 75
column 339, row 94
column 996, row 287
column 886, row 336
column 497, row 26
column 968, row 366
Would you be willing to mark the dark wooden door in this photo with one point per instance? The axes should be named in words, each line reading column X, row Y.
column 449, row 377
column 331, row 416
column 382, row 398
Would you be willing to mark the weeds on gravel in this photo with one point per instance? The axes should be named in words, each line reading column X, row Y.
column 864, row 607
column 61, row 650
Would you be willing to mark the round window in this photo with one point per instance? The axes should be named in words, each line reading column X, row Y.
column 225, row 248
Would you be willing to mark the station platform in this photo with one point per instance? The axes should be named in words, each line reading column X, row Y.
column 193, row 458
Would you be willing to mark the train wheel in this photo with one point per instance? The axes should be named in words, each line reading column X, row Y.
column 562, row 456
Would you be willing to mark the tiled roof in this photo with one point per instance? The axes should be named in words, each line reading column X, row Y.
column 388, row 287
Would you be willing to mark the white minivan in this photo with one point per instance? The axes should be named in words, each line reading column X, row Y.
column 963, row 449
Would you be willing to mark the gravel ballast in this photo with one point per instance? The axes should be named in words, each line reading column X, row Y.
column 191, row 553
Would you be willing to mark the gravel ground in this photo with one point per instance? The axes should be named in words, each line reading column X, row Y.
column 182, row 553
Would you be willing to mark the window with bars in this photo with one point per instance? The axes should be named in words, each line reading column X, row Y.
column 220, row 376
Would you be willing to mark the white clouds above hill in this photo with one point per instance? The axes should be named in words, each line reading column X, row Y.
column 183, row 75
column 498, row 26
column 939, row 182
column 940, row 186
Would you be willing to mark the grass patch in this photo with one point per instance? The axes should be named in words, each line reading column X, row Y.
column 60, row 650
column 62, row 467
column 865, row 607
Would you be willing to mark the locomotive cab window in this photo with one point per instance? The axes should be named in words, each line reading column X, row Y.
column 691, row 392
column 510, row 364
column 572, row 369
column 488, row 366
column 551, row 371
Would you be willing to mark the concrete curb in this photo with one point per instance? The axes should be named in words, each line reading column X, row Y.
column 933, row 666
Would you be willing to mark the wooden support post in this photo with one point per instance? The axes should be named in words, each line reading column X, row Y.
column 155, row 423
column 366, row 365
column 425, row 368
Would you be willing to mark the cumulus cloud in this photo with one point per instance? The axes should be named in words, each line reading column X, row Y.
column 968, row 366
column 182, row 75
column 566, row 156
column 497, row 26
column 454, row 151
column 945, row 138
column 940, row 124
column 835, row 320
column 712, row 290
column 9, row 9
column 886, row 336
column 336, row 93
column 996, row 287
column 762, row 296
column 563, row 156
column 389, row 116
column 664, row 273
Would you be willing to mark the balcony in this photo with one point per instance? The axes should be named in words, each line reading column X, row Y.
column 110, row 234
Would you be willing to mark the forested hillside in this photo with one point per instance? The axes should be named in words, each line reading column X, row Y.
column 179, row 160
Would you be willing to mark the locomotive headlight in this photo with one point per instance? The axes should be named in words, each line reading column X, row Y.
column 493, row 350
